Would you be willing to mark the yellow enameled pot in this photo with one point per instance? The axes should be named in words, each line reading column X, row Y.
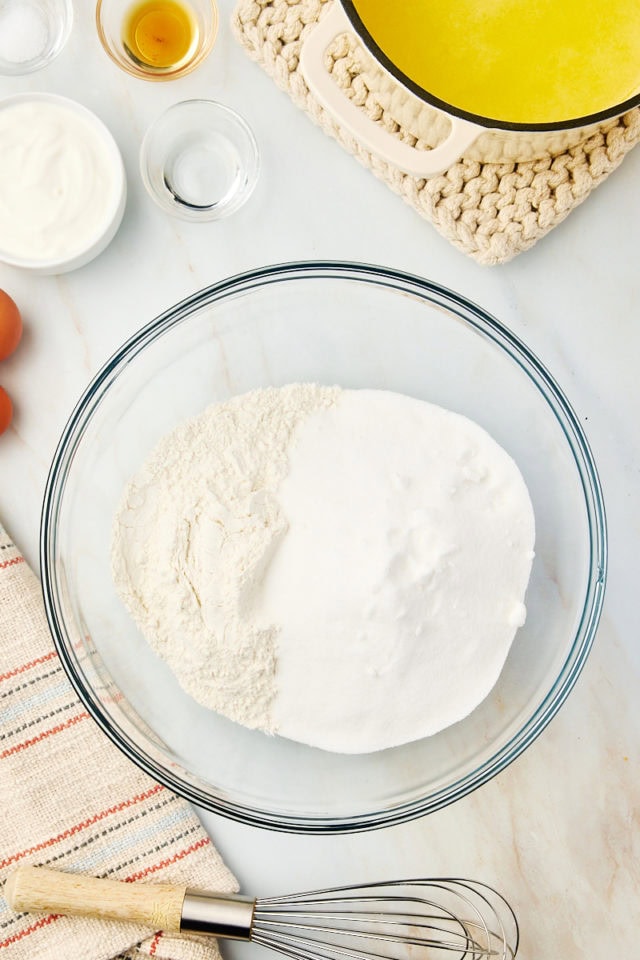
column 509, row 80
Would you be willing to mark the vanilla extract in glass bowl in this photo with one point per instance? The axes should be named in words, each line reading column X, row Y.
column 157, row 39
column 160, row 33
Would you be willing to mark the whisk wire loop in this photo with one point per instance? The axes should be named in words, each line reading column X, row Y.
column 396, row 920
column 302, row 946
column 374, row 934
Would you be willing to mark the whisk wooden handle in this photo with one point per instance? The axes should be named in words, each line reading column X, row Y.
column 36, row 889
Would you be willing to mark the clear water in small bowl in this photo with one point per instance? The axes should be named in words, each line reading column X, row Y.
column 203, row 171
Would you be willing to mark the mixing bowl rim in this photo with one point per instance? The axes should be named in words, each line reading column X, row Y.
column 483, row 322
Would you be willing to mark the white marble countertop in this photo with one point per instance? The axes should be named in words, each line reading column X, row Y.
column 557, row 831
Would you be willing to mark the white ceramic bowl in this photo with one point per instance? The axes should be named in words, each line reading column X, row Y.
column 116, row 201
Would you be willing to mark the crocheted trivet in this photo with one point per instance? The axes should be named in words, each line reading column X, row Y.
column 490, row 211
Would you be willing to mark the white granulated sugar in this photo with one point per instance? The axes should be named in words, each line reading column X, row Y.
column 400, row 584
column 344, row 568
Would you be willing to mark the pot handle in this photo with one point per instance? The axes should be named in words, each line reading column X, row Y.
column 419, row 163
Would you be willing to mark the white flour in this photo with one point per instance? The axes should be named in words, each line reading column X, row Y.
column 345, row 568
column 195, row 532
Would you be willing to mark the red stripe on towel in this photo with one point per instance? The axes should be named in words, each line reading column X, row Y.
column 43, row 736
column 82, row 826
column 154, row 943
column 203, row 842
column 28, row 666
column 43, row 922
column 11, row 563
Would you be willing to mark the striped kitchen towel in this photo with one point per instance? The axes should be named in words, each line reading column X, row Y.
column 72, row 800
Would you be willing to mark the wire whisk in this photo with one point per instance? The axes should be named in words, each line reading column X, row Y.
column 397, row 920
column 422, row 919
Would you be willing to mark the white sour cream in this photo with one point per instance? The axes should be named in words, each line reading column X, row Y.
column 60, row 180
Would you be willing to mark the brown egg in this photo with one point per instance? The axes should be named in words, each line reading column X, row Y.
column 6, row 410
column 10, row 325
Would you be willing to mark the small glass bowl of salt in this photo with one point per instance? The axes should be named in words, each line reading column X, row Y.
column 32, row 33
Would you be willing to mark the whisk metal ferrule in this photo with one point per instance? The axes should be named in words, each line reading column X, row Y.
column 229, row 917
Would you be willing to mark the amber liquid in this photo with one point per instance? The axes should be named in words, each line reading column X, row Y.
column 160, row 33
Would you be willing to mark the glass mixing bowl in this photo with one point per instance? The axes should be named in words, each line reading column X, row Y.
column 331, row 323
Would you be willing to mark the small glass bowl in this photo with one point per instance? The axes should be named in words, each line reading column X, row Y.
column 111, row 16
column 32, row 33
column 199, row 160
